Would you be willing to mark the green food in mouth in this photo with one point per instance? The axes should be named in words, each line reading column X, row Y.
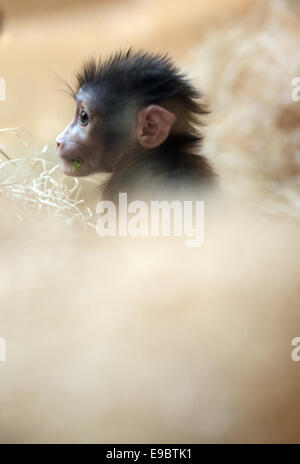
column 75, row 165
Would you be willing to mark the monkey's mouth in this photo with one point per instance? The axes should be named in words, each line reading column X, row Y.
column 71, row 166
column 76, row 163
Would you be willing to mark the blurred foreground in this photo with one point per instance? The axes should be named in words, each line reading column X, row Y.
column 142, row 341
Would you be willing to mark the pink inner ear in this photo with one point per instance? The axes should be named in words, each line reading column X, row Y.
column 154, row 124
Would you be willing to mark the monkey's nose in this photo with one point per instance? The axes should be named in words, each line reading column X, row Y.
column 58, row 144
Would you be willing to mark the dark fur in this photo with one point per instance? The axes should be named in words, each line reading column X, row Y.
column 134, row 80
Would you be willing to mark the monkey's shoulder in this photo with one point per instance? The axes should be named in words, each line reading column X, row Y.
column 164, row 177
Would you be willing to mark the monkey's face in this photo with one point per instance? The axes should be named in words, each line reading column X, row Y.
column 96, row 137
column 80, row 145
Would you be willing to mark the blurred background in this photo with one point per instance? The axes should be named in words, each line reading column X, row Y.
column 42, row 40
column 117, row 341
column 242, row 54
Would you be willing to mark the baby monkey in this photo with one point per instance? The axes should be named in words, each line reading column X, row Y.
column 136, row 117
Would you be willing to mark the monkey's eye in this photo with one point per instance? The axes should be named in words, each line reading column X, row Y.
column 83, row 117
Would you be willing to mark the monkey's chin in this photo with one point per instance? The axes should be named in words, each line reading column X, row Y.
column 69, row 169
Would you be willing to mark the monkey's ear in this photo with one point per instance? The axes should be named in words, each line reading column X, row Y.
column 154, row 124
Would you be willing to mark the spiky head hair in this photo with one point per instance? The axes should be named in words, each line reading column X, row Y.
column 139, row 77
